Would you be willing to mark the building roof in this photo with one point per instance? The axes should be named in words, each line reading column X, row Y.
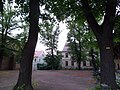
column 65, row 48
column 38, row 53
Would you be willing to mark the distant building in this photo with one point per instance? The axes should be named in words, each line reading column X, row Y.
column 38, row 58
column 117, row 64
column 117, row 56
column 68, row 63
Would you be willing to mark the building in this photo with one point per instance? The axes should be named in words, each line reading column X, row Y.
column 38, row 59
column 68, row 63
column 117, row 64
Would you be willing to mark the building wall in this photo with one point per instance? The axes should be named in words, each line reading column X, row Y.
column 38, row 59
column 117, row 64
column 8, row 63
column 86, row 65
column 68, row 63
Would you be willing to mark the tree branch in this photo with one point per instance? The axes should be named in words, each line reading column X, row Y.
column 90, row 18
column 110, row 13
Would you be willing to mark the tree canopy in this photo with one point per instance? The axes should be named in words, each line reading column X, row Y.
column 101, row 16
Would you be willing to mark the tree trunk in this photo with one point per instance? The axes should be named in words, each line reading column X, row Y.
column 79, row 64
column 107, row 63
column 1, row 55
column 11, row 63
column 52, row 53
column 1, row 58
column 79, row 54
column 103, row 34
column 2, row 38
column 25, row 73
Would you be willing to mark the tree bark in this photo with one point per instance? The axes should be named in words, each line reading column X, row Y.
column 79, row 54
column 25, row 72
column 11, row 62
column 103, row 34
column 79, row 64
column 107, row 64
column 52, row 53
column 2, row 38
column 1, row 58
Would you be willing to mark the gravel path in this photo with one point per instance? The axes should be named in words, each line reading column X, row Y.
column 51, row 80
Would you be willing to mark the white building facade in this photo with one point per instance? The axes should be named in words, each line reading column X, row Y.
column 38, row 59
column 68, row 63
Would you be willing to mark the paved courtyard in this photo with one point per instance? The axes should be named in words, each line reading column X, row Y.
column 51, row 80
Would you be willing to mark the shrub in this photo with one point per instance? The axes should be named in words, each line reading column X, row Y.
column 53, row 62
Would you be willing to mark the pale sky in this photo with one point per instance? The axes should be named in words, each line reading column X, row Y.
column 62, row 39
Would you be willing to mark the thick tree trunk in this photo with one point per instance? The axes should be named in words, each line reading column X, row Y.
column 1, row 55
column 25, row 73
column 1, row 58
column 79, row 64
column 11, row 63
column 103, row 34
column 2, row 38
column 107, row 63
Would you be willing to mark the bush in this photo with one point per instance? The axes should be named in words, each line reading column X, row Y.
column 118, row 80
column 41, row 66
column 97, row 87
column 53, row 62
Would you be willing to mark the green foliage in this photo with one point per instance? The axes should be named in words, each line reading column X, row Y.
column 10, row 21
column 64, row 9
column 53, row 63
column 22, row 39
column 116, row 33
column 118, row 79
column 41, row 66
column 49, row 33
column 34, row 84
column 80, row 40
column 75, row 40
column 21, row 87
column 118, row 83
column 8, row 24
column 97, row 87
column 13, row 17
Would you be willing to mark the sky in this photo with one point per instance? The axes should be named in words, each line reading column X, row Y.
column 62, row 39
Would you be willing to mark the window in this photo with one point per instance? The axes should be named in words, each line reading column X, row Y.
column 72, row 63
column 35, row 59
column 84, row 63
column 66, row 55
column 118, row 66
column 90, row 63
column 66, row 63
